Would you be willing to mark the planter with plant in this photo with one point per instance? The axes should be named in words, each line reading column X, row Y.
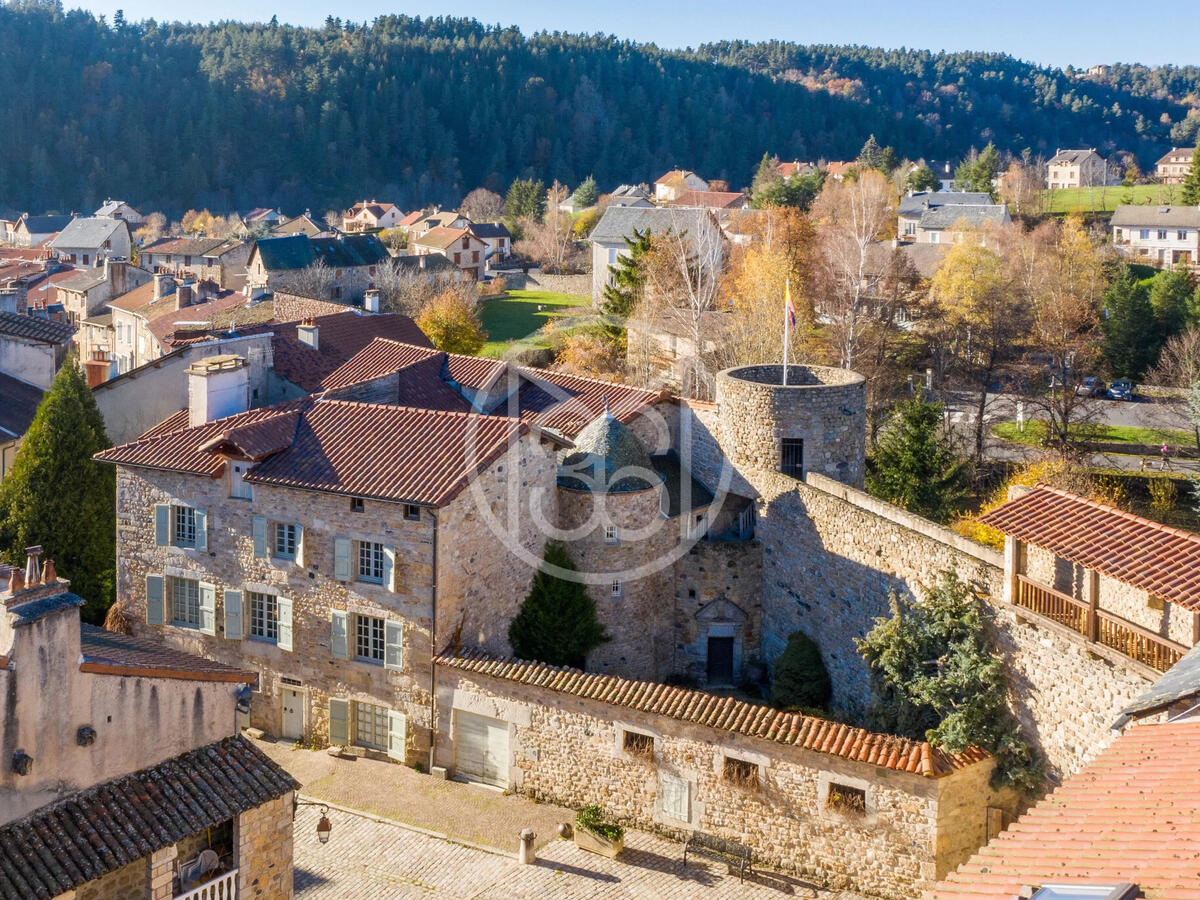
column 593, row 833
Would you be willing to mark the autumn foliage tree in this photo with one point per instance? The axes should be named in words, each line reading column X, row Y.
column 450, row 322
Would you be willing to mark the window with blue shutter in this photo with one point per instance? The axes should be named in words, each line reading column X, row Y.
column 233, row 615
column 283, row 612
column 155, row 600
column 338, row 634
column 201, row 529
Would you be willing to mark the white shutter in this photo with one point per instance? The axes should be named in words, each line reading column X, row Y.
column 155, row 602
column 208, row 608
column 162, row 524
column 339, row 722
column 338, row 628
column 675, row 797
column 300, row 545
column 259, row 529
column 393, row 645
column 396, row 735
column 341, row 559
column 233, row 615
column 283, row 613
column 389, row 568
column 201, row 529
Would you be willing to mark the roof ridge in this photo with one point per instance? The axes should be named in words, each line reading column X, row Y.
column 447, row 413
column 1116, row 510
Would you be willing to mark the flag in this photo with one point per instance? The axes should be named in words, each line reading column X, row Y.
column 787, row 299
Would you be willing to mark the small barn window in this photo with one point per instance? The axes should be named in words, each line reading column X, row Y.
column 637, row 744
column 740, row 773
column 845, row 799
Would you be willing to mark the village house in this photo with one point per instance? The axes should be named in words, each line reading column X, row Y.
column 87, row 292
column 339, row 268
column 1164, row 236
column 496, row 237
column 914, row 204
column 838, row 170
column 119, row 209
column 459, row 245
column 1076, row 168
column 436, row 218
column 263, row 217
column 29, row 279
column 302, row 224
column 794, row 168
column 371, row 215
column 88, row 241
column 946, row 224
column 177, row 255
column 33, row 231
column 630, row 195
column 104, row 796
column 33, row 348
column 715, row 200
column 1174, row 165
column 608, row 238
column 674, row 183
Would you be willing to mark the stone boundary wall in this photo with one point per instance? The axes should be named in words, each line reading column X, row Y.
column 571, row 750
column 518, row 280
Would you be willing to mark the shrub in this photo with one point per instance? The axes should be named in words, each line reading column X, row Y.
column 591, row 818
column 451, row 324
column 801, row 679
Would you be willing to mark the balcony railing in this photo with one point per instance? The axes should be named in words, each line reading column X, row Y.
column 223, row 887
column 1097, row 625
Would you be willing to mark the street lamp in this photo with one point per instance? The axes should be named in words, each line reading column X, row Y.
column 324, row 826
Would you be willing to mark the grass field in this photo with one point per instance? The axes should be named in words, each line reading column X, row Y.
column 1106, row 199
column 516, row 316
column 1035, row 433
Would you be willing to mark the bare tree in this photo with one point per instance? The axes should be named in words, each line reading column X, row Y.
column 314, row 281
column 482, row 205
column 1179, row 367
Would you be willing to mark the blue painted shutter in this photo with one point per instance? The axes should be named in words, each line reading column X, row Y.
column 208, row 607
column 233, row 615
column 155, row 604
column 339, row 722
column 283, row 614
column 341, row 559
column 338, row 630
column 201, row 529
column 162, row 524
column 259, row 529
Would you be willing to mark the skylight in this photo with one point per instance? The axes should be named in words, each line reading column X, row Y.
column 1068, row 891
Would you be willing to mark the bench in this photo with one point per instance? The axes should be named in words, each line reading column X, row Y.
column 736, row 855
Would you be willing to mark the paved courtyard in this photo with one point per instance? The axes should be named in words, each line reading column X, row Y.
column 372, row 859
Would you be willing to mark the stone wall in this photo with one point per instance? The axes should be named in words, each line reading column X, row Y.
column 518, row 280
column 127, row 881
column 264, row 850
column 569, row 750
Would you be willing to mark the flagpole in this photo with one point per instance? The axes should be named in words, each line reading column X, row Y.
column 787, row 321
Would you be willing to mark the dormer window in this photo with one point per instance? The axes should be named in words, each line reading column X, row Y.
column 238, row 488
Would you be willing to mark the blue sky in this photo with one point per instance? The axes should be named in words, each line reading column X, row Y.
column 1070, row 32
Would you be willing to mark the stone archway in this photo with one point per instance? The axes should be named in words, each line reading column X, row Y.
column 718, row 652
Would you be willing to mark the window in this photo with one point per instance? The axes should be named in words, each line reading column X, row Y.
column 1144, row 234
column 371, row 271
column 264, row 616
column 1069, row 891
column 740, row 772
column 910, row 228
column 610, row 534
column 934, row 237
column 675, row 794
column 466, row 242
column 457, row 258
column 285, row 541
column 337, row 292
column 185, row 526
column 1162, row 234
column 1182, row 235
column 616, row 588
column 187, row 260
column 370, row 726
column 185, row 602
column 637, row 744
column 412, row 512
column 791, row 457
column 845, row 799
column 337, row 273
column 85, row 259
column 368, row 639
column 238, row 488
column 356, row 504
column 370, row 562
column 612, row 256
column 475, row 256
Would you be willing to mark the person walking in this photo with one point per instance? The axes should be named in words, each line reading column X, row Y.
column 1166, row 457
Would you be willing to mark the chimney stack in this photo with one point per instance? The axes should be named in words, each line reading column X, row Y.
column 218, row 386
column 185, row 295
column 116, row 274
column 164, row 285
column 371, row 300
column 33, row 568
column 95, row 370
column 307, row 333
column 35, row 582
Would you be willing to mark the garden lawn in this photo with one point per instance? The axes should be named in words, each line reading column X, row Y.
column 1106, row 199
column 1035, row 433
column 516, row 316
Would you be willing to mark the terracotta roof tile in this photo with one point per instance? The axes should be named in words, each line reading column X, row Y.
column 723, row 714
column 1157, row 558
column 35, row 328
column 340, row 337
column 1132, row 815
column 107, row 651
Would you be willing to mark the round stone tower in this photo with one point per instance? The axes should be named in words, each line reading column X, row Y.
column 814, row 423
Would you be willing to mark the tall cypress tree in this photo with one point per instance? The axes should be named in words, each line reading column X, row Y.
column 623, row 294
column 61, row 498
column 557, row 622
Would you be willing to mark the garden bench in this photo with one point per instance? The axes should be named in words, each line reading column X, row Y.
column 735, row 855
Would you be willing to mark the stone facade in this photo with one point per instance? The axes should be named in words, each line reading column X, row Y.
column 569, row 750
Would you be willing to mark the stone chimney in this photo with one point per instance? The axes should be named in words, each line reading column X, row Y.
column 95, row 370
column 116, row 274
column 164, row 285
column 307, row 333
column 185, row 295
column 218, row 386
column 371, row 300
column 34, row 582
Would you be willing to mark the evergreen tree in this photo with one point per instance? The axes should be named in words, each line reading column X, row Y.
column 798, row 191
column 978, row 171
column 871, row 154
column 938, row 679
column 923, row 179
column 800, row 680
column 557, row 621
column 587, row 193
column 1170, row 294
column 622, row 295
column 765, row 176
column 914, row 464
column 1131, row 335
column 1191, row 185
column 58, row 496
column 526, row 199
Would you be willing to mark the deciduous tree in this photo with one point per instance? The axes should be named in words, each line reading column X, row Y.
column 482, row 205
column 451, row 324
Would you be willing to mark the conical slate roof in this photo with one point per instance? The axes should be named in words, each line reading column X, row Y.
column 608, row 458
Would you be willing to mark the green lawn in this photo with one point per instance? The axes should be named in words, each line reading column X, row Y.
column 1106, row 199
column 516, row 316
column 1035, row 432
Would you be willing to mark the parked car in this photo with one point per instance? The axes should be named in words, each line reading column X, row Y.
column 1090, row 387
column 1121, row 389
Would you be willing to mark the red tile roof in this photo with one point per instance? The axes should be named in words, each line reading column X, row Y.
column 165, row 321
column 1132, row 815
column 443, row 237
column 340, row 337
column 566, row 403
column 1157, row 558
column 723, row 714
column 710, row 199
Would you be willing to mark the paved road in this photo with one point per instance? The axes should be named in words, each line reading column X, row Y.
column 369, row 859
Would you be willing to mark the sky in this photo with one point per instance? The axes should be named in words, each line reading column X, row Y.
column 1067, row 32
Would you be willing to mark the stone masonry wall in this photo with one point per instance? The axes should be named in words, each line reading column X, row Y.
column 569, row 750
column 264, row 849
column 717, row 584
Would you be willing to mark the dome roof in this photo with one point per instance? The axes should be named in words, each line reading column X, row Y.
column 608, row 458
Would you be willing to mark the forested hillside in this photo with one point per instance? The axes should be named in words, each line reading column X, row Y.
column 232, row 115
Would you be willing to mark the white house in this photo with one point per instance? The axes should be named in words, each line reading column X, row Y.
column 1160, row 235
column 1076, row 168
column 89, row 240
column 676, row 182
column 119, row 209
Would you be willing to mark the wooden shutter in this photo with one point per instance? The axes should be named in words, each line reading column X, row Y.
column 233, row 615
column 162, row 524
column 339, row 722
column 396, row 735
column 675, row 798
column 283, row 613
column 208, row 607
column 201, row 529
column 341, row 559
column 338, row 629
column 300, row 545
column 155, row 600
column 389, row 568
column 393, row 645
column 259, row 529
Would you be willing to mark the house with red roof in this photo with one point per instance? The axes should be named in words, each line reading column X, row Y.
column 459, row 245
column 371, row 215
